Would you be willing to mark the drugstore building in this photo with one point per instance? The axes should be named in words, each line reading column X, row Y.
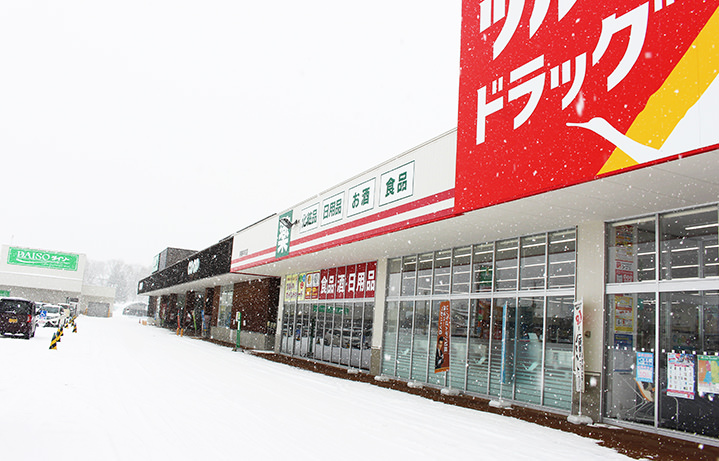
column 573, row 181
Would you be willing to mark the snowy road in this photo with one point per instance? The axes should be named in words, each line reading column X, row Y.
column 118, row 390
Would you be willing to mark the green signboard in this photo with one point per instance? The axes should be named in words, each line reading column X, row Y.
column 44, row 259
column 284, row 225
column 4, row 293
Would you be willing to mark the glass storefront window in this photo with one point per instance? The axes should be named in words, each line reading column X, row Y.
column 344, row 311
column 225, row 310
column 558, row 332
column 630, row 340
column 409, row 275
column 287, row 323
column 562, row 258
column 404, row 340
column 394, row 273
column 478, row 356
column 632, row 251
column 424, row 274
column 533, row 262
column 483, row 262
column 506, row 265
column 667, row 380
column 458, row 342
column 367, row 329
column 500, row 341
column 461, row 270
column 689, row 362
column 389, row 342
column 420, row 344
column 689, row 244
column 302, row 329
column 501, row 378
column 334, row 323
column 528, row 375
column 442, row 263
column 320, row 331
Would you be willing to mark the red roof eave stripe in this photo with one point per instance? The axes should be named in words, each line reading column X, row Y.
column 426, row 201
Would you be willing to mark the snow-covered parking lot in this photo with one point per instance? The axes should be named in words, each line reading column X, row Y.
column 119, row 390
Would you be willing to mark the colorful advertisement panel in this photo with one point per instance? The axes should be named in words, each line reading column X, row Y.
column 645, row 367
column 556, row 93
column 312, row 285
column 353, row 281
column 291, row 288
column 680, row 375
column 707, row 374
column 301, row 286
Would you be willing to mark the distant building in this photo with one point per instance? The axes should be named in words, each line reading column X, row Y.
column 53, row 277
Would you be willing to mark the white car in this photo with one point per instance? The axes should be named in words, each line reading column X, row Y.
column 55, row 315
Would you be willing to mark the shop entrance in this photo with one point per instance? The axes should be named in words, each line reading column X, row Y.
column 662, row 308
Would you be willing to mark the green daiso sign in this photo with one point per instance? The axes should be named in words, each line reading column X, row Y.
column 44, row 259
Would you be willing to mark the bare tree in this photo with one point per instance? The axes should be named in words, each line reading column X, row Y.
column 118, row 274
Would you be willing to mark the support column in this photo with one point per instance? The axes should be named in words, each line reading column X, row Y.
column 378, row 321
column 590, row 288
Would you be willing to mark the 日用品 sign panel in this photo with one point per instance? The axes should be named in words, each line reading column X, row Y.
column 558, row 92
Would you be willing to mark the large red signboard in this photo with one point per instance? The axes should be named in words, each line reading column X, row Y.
column 346, row 282
column 558, row 92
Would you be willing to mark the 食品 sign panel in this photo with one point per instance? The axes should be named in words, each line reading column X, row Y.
column 558, row 92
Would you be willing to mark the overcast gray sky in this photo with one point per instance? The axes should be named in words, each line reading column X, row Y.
column 127, row 127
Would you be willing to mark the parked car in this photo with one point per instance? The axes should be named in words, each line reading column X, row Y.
column 138, row 309
column 55, row 315
column 70, row 309
column 17, row 317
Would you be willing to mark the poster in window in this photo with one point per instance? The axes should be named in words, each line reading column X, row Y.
column 624, row 314
column 645, row 367
column 312, row 285
column 680, row 375
column 301, row 286
column 441, row 354
column 707, row 374
column 291, row 288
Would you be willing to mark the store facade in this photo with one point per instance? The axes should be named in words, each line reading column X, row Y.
column 328, row 315
column 558, row 248
column 508, row 277
column 51, row 276
column 662, row 320
column 194, row 293
column 510, row 331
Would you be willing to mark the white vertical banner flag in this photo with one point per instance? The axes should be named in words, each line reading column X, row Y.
column 579, row 345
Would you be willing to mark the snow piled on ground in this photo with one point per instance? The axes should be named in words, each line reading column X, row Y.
column 119, row 390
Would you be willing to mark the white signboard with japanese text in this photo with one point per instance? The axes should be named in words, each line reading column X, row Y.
column 396, row 184
column 310, row 218
column 361, row 198
column 332, row 208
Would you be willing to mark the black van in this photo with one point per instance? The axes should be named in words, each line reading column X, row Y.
column 17, row 317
